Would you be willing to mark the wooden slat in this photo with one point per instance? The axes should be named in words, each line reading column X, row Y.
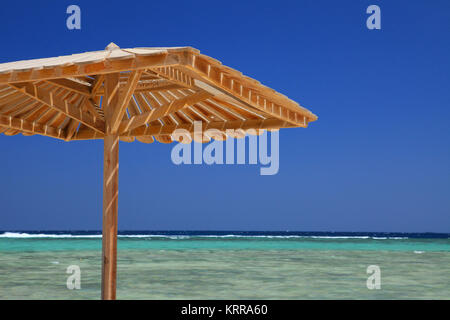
column 214, row 115
column 11, row 132
column 11, row 98
column 31, row 127
column 151, row 99
column 245, row 89
column 30, row 106
column 63, row 106
column 174, row 75
column 73, row 124
column 54, row 119
column 32, row 114
column 230, row 113
column 245, row 111
column 162, row 111
column 71, row 129
column 133, row 108
column 143, row 104
column 237, row 89
column 18, row 104
column 145, row 139
column 164, row 138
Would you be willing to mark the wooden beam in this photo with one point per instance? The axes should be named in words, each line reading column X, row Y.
column 31, row 127
column 124, row 99
column 88, row 104
column 219, row 125
column 163, row 87
column 70, row 110
column 103, row 67
column 71, row 85
column 92, row 108
column 155, row 130
column 145, row 87
column 73, row 124
column 110, row 212
column 164, row 110
column 110, row 191
column 97, row 84
column 91, row 102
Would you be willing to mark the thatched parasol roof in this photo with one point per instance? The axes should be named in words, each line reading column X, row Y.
column 161, row 89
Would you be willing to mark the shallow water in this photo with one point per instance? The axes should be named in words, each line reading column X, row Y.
column 229, row 268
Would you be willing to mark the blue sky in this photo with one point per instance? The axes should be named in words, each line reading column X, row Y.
column 378, row 158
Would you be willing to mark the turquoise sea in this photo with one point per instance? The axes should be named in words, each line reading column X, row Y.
column 228, row 265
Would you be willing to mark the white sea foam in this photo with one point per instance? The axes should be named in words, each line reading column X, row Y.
column 288, row 237
column 389, row 238
column 340, row 237
column 46, row 235
column 181, row 237
column 62, row 236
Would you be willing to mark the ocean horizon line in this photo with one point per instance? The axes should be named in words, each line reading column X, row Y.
column 214, row 230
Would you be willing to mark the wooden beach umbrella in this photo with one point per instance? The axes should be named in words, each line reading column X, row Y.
column 142, row 94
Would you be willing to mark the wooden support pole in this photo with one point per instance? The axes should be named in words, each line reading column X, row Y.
column 110, row 208
column 110, row 192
